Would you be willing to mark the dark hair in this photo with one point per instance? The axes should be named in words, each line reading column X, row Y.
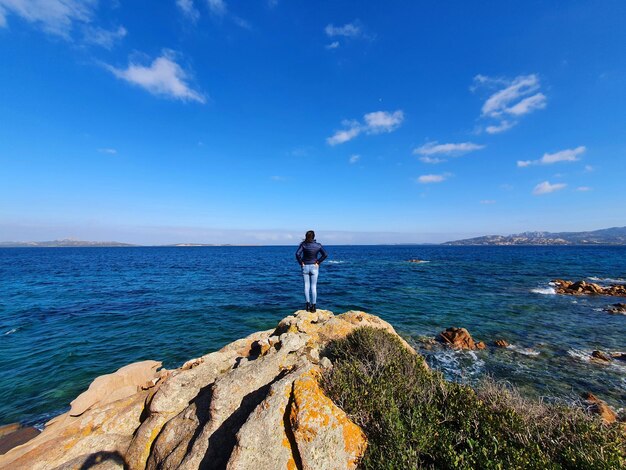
column 310, row 236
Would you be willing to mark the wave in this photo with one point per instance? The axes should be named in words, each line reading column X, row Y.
column 544, row 291
column 460, row 366
column 332, row 261
column 524, row 351
column 607, row 280
column 11, row 331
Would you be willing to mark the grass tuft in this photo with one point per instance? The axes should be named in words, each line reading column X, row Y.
column 414, row 418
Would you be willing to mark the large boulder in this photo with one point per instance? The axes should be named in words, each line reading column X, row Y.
column 459, row 338
column 600, row 408
column 254, row 404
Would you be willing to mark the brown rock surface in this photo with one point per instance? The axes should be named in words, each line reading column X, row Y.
column 459, row 338
column 254, row 404
column 501, row 343
column 600, row 356
column 599, row 407
column 13, row 435
column 588, row 288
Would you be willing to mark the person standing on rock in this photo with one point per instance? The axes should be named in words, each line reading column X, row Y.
column 307, row 256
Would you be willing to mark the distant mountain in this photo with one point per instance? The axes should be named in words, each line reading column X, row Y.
column 607, row 236
column 61, row 243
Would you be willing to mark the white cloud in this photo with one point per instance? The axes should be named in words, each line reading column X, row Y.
column 488, row 201
column 108, row 151
column 104, row 37
column 432, row 160
column 583, row 188
column 501, row 127
column 383, row 121
column 588, row 168
column 546, row 187
column 332, row 45
column 188, row 9
column 349, row 30
column 377, row 122
column 452, row 150
column 162, row 77
column 514, row 98
column 217, row 7
column 52, row 16
column 567, row 155
column 427, row 179
column 354, row 158
column 343, row 136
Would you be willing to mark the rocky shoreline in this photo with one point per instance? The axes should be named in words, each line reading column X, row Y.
column 254, row 404
column 588, row 288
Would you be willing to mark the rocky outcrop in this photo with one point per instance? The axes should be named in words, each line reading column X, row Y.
column 588, row 288
column 13, row 435
column 501, row 343
column 600, row 356
column 619, row 308
column 254, row 404
column 459, row 338
column 600, row 408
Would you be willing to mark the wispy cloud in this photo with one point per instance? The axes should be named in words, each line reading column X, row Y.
column 432, row 160
column 332, row 45
column 501, row 127
column 450, row 150
column 163, row 77
column 583, row 188
column 513, row 99
column 348, row 30
column 108, row 151
column 188, row 9
column 217, row 7
column 104, row 37
column 546, row 187
column 428, row 179
column 354, row 158
column 567, row 155
column 52, row 16
column 377, row 122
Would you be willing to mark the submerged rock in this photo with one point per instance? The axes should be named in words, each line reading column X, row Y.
column 588, row 288
column 254, row 404
column 501, row 343
column 459, row 338
column 619, row 308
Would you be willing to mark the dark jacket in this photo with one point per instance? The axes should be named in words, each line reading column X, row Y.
column 307, row 253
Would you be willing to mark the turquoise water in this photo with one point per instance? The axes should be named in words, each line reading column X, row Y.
column 68, row 315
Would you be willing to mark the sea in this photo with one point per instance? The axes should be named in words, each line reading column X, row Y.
column 69, row 315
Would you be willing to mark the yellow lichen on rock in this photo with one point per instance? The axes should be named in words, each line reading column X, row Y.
column 325, row 436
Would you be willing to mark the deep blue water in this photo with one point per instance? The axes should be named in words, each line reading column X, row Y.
column 68, row 315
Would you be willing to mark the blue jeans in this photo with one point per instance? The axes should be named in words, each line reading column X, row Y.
column 310, row 272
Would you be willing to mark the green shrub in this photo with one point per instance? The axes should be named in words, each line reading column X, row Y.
column 414, row 418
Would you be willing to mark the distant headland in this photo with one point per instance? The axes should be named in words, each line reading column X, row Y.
column 607, row 236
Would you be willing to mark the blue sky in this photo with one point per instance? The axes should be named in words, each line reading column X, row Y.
column 252, row 121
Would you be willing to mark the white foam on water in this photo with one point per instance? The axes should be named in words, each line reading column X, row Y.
column 459, row 365
column 607, row 279
column 598, row 309
column 332, row 261
column 580, row 355
column 524, row 351
column 10, row 332
column 544, row 291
